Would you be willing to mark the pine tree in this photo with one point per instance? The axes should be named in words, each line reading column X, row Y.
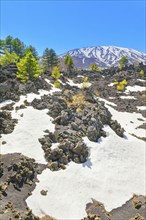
column 18, row 47
column 28, row 68
column 8, row 43
column 123, row 62
column 56, row 75
column 8, row 58
column 50, row 59
column 12, row 45
column 93, row 66
column 32, row 50
column 2, row 46
column 55, row 72
column 69, row 63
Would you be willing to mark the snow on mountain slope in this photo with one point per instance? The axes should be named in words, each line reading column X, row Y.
column 103, row 56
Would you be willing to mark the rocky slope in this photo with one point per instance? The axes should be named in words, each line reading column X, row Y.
column 77, row 111
column 103, row 56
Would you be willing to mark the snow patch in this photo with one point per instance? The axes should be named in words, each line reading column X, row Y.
column 107, row 102
column 127, row 97
column 135, row 88
column 71, row 83
column 141, row 80
column 141, row 107
column 111, row 175
column 4, row 103
column 129, row 121
column 111, row 84
column 24, row 138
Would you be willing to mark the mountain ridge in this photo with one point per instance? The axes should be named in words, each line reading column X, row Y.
column 103, row 56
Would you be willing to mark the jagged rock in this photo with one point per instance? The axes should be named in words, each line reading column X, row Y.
column 64, row 159
column 74, row 126
column 66, row 146
column 53, row 166
column 1, row 169
column 92, row 133
column 137, row 217
column 44, row 192
column 82, row 151
column 47, row 217
column 6, row 122
column 56, row 154
column 117, row 128
column 79, row 148
column 96, row 211
column 136, row 202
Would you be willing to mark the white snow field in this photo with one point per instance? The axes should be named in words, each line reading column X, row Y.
column 24, row 138
column 30, row 127
column 71, row 83
column 114, row 171
column 135, row 88
column 4, row 103
column 129, row 121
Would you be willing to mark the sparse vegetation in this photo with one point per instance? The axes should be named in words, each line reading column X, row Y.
column 69, row 63
column 32, row 50
column 120, row 86
column 85, row 83
column 141, row 72
column 50, row 59
column 12, row 45
column 123, row 62
column 56, row 75
column 57, row 84
column 55, row 72
column 93, row 66
column 8, row 58
column 79, row 101
column 28, row 68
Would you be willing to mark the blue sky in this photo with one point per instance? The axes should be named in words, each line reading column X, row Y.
column 65, row 25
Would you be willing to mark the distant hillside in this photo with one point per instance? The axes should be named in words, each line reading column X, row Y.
column 103, row 56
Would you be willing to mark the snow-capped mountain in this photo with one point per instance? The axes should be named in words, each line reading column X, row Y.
column 103, row 56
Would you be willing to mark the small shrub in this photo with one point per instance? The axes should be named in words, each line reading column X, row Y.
column 123, row 82
column 141, row 72
column 68, row 61
column 85, row 79
column 79, row 109
column 57, row 84
column 115, row 83
column 8, row 58
column 55, row 72
column 123, row 62
column 85, row 83
column 93, row 66
column 120, row 87
column 79, row 101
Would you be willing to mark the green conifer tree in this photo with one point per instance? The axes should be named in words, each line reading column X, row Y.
column 123, row 62
column 32, row 50
column 93, row 66
column 50, row 59
column 28, row 68
column 69, row 62
column 8, row 58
